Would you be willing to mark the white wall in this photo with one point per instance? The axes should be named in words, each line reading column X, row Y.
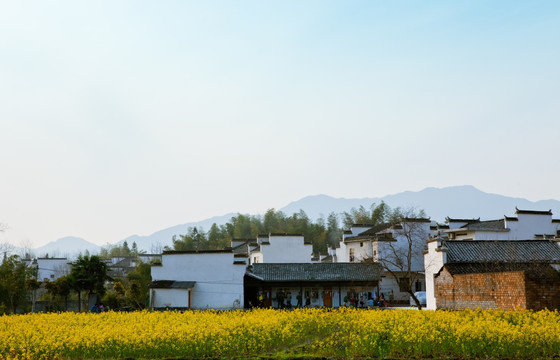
column 219, row 282
column 286, row 249
column 360, row 252
column 433, row 262
column 52, row 268
column 169, row 298
column 528, row 225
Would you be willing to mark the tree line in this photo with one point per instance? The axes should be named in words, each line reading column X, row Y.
column 89, row 274
column 323, row 233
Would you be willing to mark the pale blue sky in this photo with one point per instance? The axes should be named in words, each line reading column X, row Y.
column 128, row 117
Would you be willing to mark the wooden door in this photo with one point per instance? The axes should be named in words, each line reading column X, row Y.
column 267, row 293
column 327, row 297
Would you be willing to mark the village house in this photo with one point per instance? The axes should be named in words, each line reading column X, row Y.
column 506, row 274
column 289, row 285
column 198, row 280
column 120, row 266
column 49, row 269
column 526, row 225
column 268, row 271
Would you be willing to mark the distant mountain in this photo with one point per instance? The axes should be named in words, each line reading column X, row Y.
column 156, row 241
column 438, row 203
column 456, row 202
column 69, row 247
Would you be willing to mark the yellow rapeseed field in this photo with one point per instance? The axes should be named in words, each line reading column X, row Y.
column 342, row 333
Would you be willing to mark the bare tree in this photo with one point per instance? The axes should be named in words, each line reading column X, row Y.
column 401, row 250
column 6, row 248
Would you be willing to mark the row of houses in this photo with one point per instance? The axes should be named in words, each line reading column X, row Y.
column 510, row 262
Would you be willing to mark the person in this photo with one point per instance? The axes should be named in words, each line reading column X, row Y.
column 370, row 302
column 381, row 300
column 307, row 300
column 280, row 297
column 299, row 303
column 94, row 308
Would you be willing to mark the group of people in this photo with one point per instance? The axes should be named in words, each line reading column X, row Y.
column 99, row 308
column 284, row 300
column 370, row 302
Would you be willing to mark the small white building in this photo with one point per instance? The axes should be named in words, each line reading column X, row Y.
column 198, row 280
column 50, row 269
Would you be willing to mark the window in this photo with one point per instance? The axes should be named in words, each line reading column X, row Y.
column 361, row 244
column 52, row 276
column 418, row 285
column 351, row 255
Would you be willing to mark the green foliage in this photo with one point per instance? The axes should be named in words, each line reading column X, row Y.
column 13, row 274
column 375, row 215
column 89, row 274
column 323, row 233
column 119, row 251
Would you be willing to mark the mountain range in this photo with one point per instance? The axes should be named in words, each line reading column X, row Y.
column 438, row 203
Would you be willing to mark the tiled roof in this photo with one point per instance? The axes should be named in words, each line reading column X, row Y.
column 502, row 251
column 316, row 272
column 462, row 268
column 171, row 284
column 241, row 249
column 368, row 234
column 490, row 225
column 448, row 220
column 533, row 212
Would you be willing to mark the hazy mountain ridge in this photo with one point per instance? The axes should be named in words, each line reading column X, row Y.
column 69, row 246
column 438, row 203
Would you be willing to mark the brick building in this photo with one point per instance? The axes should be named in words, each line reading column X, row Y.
column 499, row 274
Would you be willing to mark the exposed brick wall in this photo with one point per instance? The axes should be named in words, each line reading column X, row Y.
column 505, row 290
column 543, row 290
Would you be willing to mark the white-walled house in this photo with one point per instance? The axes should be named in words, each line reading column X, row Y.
column 526, row 225
column 50, row 269
column 198, row 280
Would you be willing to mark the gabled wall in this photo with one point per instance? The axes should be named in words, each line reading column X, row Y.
column 286, row 249
column 219, row 282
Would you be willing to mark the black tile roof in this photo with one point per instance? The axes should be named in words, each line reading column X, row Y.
column 532, row 212
column 490, row 225
column 448, row 220
column 316, row 272
column 171, row 284
column 462, row 268
column 520, row 251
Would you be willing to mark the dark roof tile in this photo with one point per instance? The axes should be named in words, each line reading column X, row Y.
column 316, row 272
column 171, row 284
column 502, row 251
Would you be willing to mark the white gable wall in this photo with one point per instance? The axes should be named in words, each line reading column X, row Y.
column 527, row 225
column 218, row 281
column 52, row 268
column 286, row 249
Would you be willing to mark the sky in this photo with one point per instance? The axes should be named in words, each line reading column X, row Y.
column 127, row 117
